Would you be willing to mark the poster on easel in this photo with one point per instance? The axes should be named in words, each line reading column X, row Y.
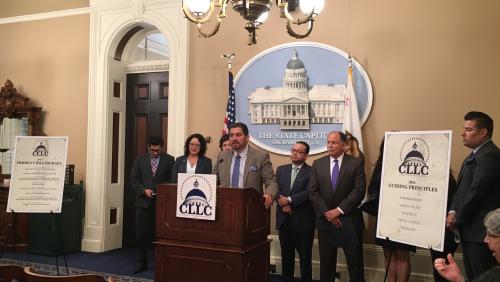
column 414, row 188
column 37, row 178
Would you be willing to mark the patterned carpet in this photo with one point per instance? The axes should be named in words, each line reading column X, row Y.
column 52, row 270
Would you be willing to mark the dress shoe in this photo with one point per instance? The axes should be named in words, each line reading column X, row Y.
column 140, row 268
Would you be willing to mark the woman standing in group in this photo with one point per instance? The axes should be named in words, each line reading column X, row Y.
column 397, row 255
column 193, row 160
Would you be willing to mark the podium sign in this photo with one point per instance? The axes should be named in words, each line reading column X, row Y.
column 38, row 170
column 414, row 188
column 196, row 196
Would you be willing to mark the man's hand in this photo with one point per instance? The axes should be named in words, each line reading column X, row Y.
column 268, row 200
column 287, row 210
column 283, row 201
column 148, row 192
column 332, row 216
column 451, row 221
column 450, row 271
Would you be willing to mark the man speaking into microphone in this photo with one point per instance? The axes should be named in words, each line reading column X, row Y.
column 245, row 166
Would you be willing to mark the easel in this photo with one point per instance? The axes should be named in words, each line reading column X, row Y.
column 52, row 217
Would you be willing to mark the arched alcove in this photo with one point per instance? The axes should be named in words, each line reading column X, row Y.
column 115, row 27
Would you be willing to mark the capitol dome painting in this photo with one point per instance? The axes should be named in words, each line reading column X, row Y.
column 296, row 105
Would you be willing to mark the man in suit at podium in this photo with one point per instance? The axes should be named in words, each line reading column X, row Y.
column 294, row 214
column 336, row 188
column 245, row 166
column 477, row 194
column 150, row 169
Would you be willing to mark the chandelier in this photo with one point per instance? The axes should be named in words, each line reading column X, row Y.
column 255, row 12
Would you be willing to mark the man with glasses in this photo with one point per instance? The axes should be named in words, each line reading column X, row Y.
column 477, row 194
column 245, row 166
column 294, row 214
column 150, row 169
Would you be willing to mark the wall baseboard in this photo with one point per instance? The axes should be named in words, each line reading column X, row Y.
column 421, row 264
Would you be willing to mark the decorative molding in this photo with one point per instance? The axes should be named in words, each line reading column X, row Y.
column 155, row 66
column 142, row 69
column 46, row 16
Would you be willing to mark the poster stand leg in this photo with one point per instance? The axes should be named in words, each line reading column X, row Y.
column 388, row 262
column 54, row 216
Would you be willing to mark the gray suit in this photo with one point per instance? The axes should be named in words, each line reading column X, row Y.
column 258, row 171
column 348, row 194
column 478, row 193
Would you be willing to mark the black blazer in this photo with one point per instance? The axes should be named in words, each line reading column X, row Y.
column 141, row 176
column 478, row 192
column 302, row 211
column 204, row 165
column 348, row 194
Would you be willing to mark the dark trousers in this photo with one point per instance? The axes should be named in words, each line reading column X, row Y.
column 145, row 222
column 477, row 258
column 291, row 240
column 328, row 258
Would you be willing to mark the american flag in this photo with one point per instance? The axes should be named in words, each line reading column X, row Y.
column 230, row 117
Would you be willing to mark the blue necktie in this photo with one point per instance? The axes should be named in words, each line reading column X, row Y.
column 335, row 174
column 235, row 178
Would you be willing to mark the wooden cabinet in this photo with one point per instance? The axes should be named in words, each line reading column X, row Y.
column 13, row 226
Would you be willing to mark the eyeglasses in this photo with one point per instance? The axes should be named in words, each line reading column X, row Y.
column 297, row 151
column 491, row 235
column 195, row 145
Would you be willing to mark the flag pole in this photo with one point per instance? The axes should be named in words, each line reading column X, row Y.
column 229, row 58
column 230, row 116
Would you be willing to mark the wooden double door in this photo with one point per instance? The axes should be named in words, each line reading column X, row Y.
column 147, row 115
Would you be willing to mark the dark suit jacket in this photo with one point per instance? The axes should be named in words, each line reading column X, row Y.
column 141, row 176
column 348, row 194
column 204, row 165
column 258, row 171
column 302, row 211
column 478, row 192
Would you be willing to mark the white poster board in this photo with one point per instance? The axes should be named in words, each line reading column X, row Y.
column 414, row 188
column 196, row 194
column 37, row 179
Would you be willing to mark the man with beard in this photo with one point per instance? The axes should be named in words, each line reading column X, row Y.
column 245, row 166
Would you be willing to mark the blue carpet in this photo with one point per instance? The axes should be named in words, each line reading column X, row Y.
column 116, row 263
column 119, row 261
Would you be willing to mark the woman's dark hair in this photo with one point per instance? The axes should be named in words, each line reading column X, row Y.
column 203, row 144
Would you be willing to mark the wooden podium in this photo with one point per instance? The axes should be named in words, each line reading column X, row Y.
column 233, row 248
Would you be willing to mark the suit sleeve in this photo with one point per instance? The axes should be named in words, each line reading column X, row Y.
column 352, row 201
column 208, row 162
column 175, row 170
column 268, row 177
column 317, row 200
column 215, row 170
column 483, row 182
column 136, row 178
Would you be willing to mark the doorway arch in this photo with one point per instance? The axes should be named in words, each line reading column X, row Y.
column 110, row 23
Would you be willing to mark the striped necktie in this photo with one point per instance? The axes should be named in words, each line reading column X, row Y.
column 154, row 165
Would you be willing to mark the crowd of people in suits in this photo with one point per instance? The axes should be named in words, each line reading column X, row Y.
column 326, row 196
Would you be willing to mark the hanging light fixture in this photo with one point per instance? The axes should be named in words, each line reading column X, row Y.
column 255, row 12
